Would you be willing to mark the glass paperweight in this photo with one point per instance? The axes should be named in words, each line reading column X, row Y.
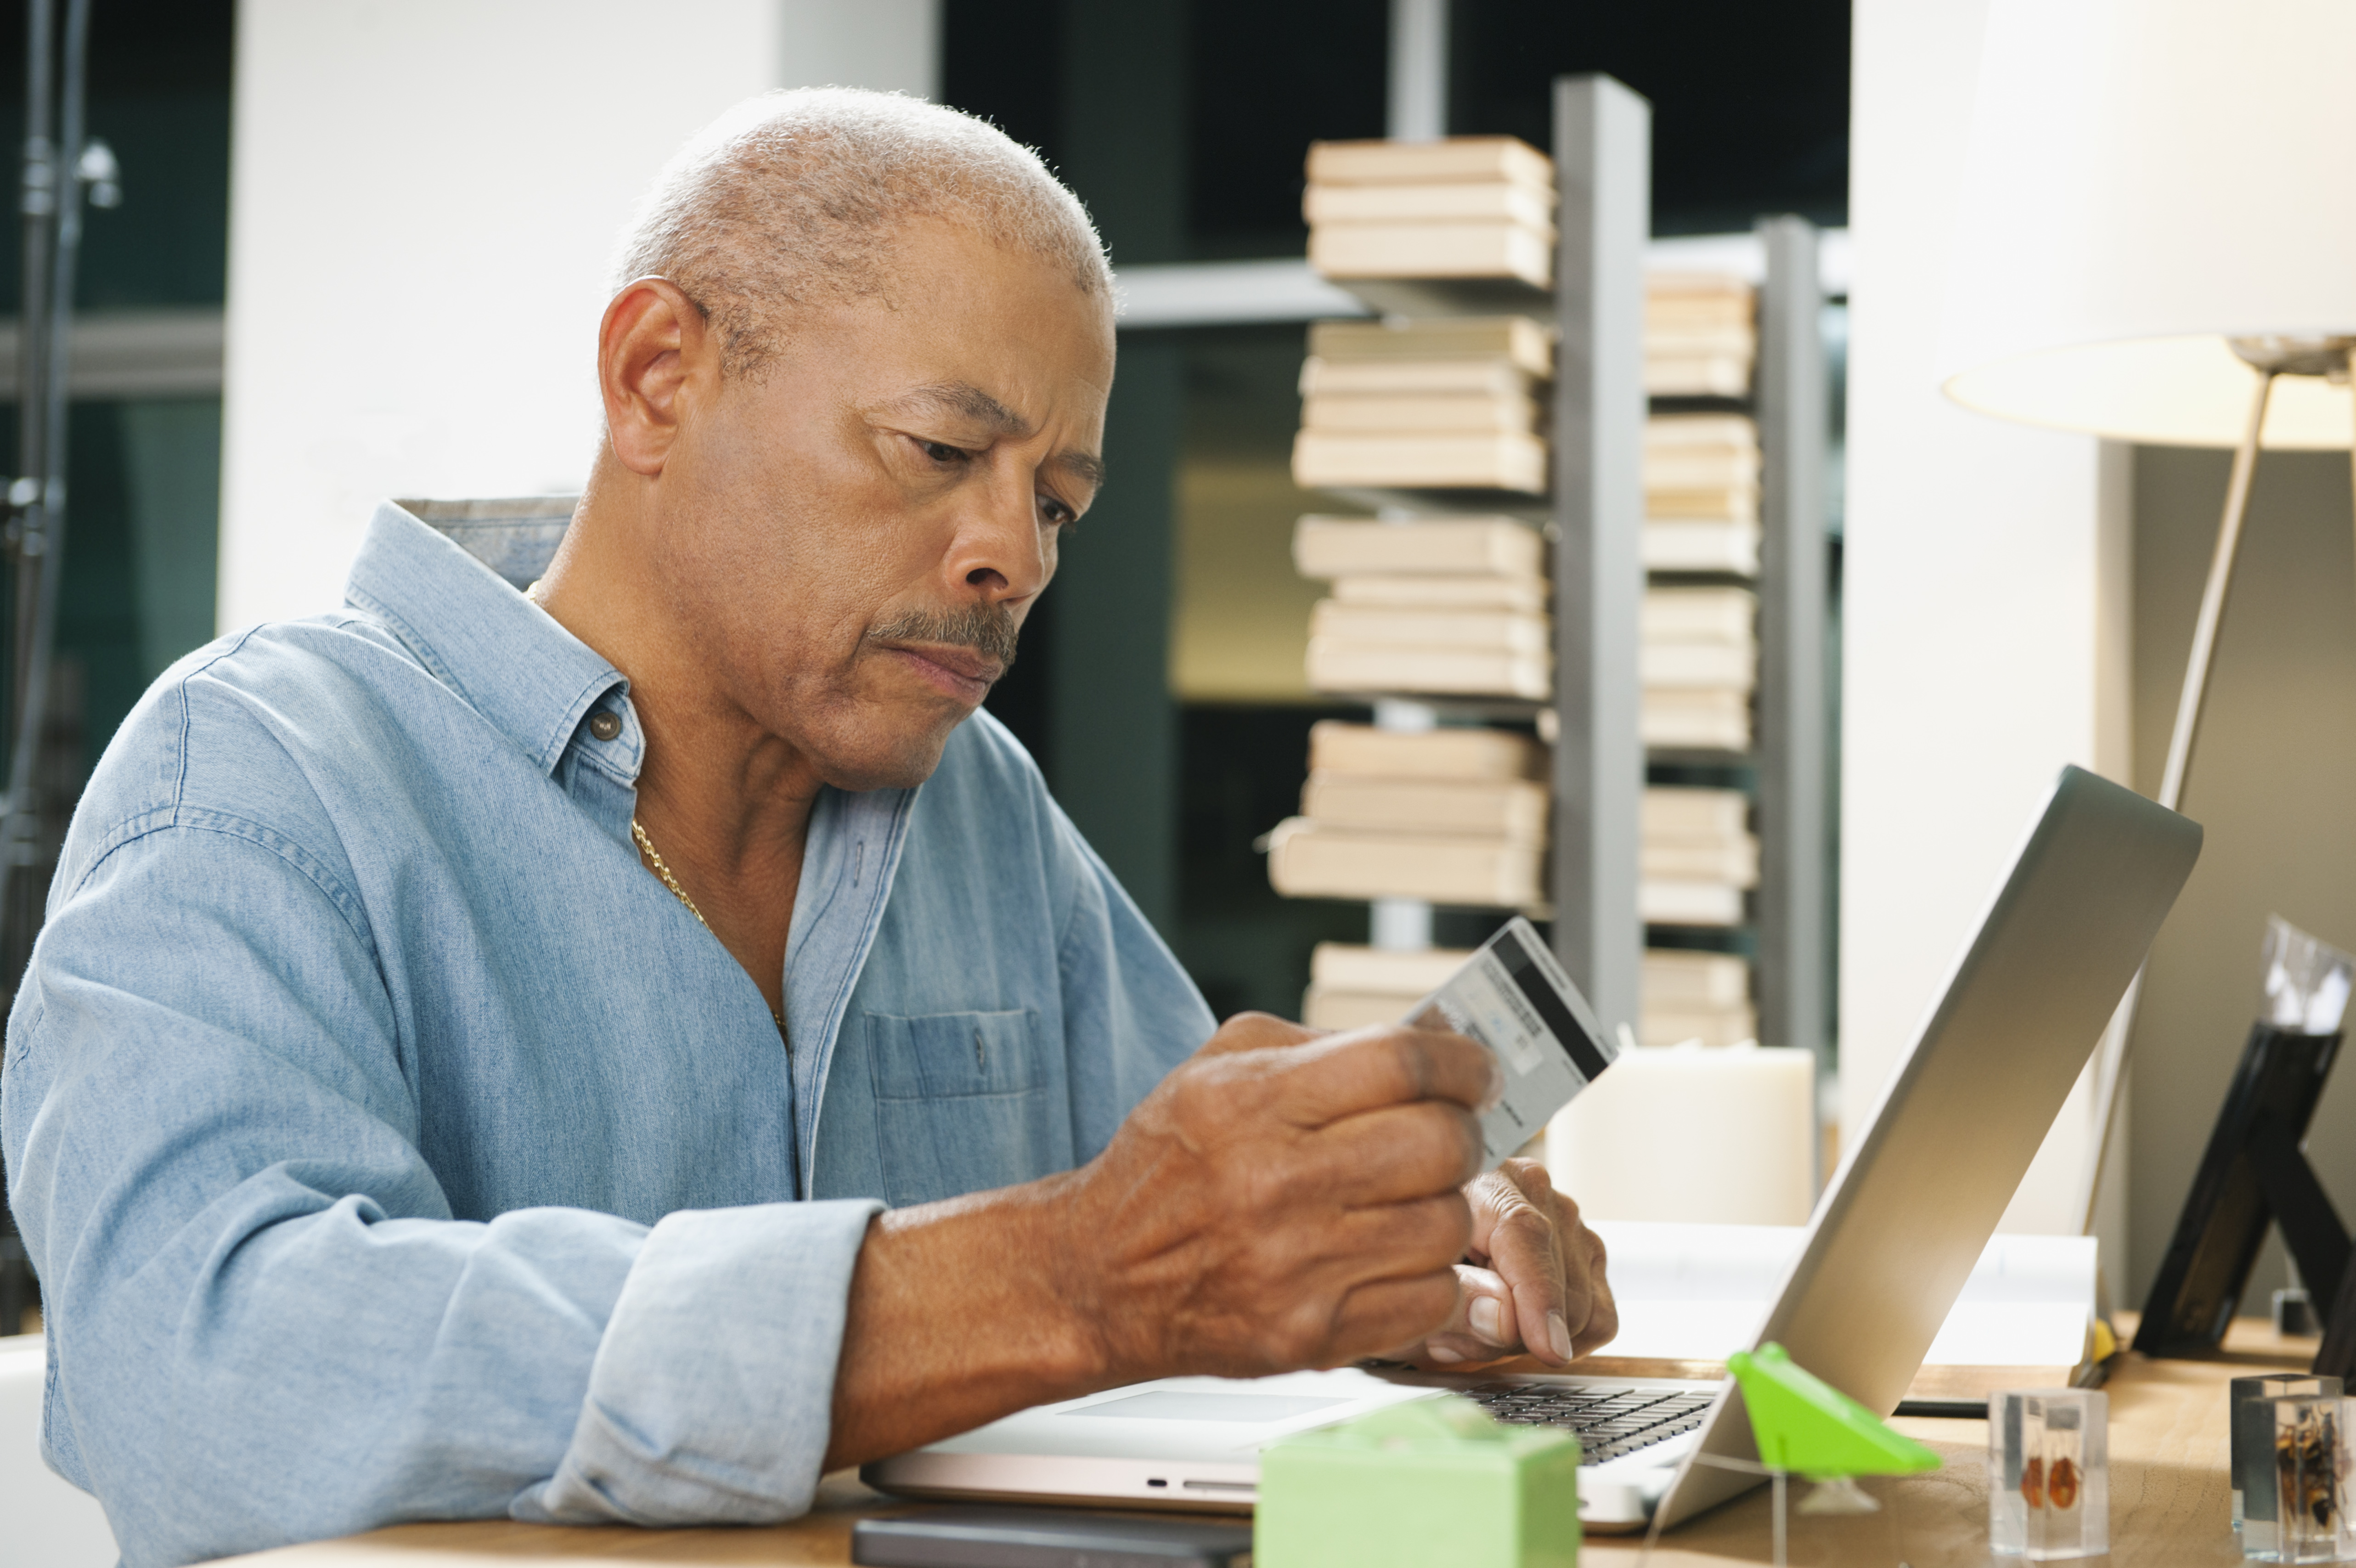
column 2253, row 1432
column 2303, row 1516
column 2049, row 1474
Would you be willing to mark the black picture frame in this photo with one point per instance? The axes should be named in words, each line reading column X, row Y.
column 2253, row 1175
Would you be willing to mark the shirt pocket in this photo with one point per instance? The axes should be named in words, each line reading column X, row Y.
column 964, row 1102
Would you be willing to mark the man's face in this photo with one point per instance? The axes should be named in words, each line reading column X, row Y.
column 854, row 533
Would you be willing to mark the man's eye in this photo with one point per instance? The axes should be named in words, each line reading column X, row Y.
column 1054, row 511
column 942, row 452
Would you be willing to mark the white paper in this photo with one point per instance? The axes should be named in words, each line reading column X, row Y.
column 1698, row 1293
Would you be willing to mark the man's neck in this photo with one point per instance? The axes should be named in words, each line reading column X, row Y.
column 723, row 802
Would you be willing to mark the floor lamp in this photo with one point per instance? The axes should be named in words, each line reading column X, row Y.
column 2155, row 242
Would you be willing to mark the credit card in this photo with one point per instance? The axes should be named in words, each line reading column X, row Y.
column 1512, row 997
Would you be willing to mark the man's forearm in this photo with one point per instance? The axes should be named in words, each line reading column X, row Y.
column 959, row 1313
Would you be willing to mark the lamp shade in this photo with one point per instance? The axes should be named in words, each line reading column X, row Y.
column 2145, row 179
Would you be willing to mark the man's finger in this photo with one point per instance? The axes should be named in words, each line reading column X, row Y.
column 1419, row 1237
column 1380, row 1316
column 1342, row 1075
column 1527, row 1179
column 1481, row 1328
column 1520, row 1239
column 1395, row 1153
column 1256, row 1032
column 1603, row 1323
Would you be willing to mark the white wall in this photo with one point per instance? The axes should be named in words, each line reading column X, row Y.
column 424, row 196
column 49, row 1522
column 2268, row 782
column 893, row 46
column 1985, row 586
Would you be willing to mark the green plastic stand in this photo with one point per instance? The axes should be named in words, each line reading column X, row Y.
column 1433, row 1481
column 1806, row 1426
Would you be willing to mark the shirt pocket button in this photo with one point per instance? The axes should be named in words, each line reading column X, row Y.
column 604, row 726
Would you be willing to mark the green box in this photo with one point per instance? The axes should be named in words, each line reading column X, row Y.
column 1430, row 1482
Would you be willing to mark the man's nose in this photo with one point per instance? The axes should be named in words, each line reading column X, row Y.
column 1000, row 548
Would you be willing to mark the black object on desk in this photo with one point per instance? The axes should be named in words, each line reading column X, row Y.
column 2253, row 1175
column 982, row 1537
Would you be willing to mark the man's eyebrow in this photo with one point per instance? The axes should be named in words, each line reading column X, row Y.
column 970, row 401
column 966, row 400
column 1085, row 465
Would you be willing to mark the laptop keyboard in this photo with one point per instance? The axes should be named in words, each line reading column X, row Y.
column 1610, row 1422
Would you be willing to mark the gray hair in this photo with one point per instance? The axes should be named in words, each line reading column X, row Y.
column 795, row 196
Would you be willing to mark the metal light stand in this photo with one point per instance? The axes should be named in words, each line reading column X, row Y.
column 2271, row 357
column 60, row 166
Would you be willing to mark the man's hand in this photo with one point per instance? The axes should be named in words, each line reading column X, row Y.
column 1534, row 1280
column 1284, row 1200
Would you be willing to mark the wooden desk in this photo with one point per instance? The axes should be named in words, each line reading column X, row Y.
column 2169, row 1501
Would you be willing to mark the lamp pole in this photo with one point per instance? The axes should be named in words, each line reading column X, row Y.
column 2196, row 663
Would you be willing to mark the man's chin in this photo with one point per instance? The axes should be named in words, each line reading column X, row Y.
column 899, row 760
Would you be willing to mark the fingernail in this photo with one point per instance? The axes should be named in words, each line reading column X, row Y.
column 1559, row 1332
column 1487, row 1319
column 1496, row 1086
column 1441, row 1353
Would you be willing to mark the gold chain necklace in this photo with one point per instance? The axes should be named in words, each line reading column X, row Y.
column 654, row 856
column 655, row 859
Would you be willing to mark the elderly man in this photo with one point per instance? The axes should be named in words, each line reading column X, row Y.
column 478, row 1033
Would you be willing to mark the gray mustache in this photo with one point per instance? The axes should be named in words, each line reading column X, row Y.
column 989, row 630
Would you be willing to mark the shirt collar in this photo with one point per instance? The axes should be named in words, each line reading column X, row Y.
column 448, row 576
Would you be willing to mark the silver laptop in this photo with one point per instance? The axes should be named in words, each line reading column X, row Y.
column 1892, row 1240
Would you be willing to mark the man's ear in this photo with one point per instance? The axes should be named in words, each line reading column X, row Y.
column 657, row 357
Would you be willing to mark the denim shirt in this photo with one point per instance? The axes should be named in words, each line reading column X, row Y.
column 393, row 1145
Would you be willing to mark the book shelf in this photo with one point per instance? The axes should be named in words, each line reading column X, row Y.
column 1594, row 518
column 1781, row 770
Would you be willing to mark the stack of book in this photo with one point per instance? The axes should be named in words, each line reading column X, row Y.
column 1696, row 856
column 1701, row 493
column 1699, row 662
column 1690, row 995
column 1450, row 816
column 1467, row 206
column 1702, row 335
column 1446, row 403
column 1352, row 986
column 1453, row 606
column 1687, row 995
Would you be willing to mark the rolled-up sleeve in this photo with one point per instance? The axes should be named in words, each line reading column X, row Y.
column 267, row 1325
column 691, row 1419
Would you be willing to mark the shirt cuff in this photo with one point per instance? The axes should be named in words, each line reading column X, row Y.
column 711, row 1399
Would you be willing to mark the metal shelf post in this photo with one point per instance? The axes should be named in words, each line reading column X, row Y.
column 1791, row 909
column 1602, row 151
